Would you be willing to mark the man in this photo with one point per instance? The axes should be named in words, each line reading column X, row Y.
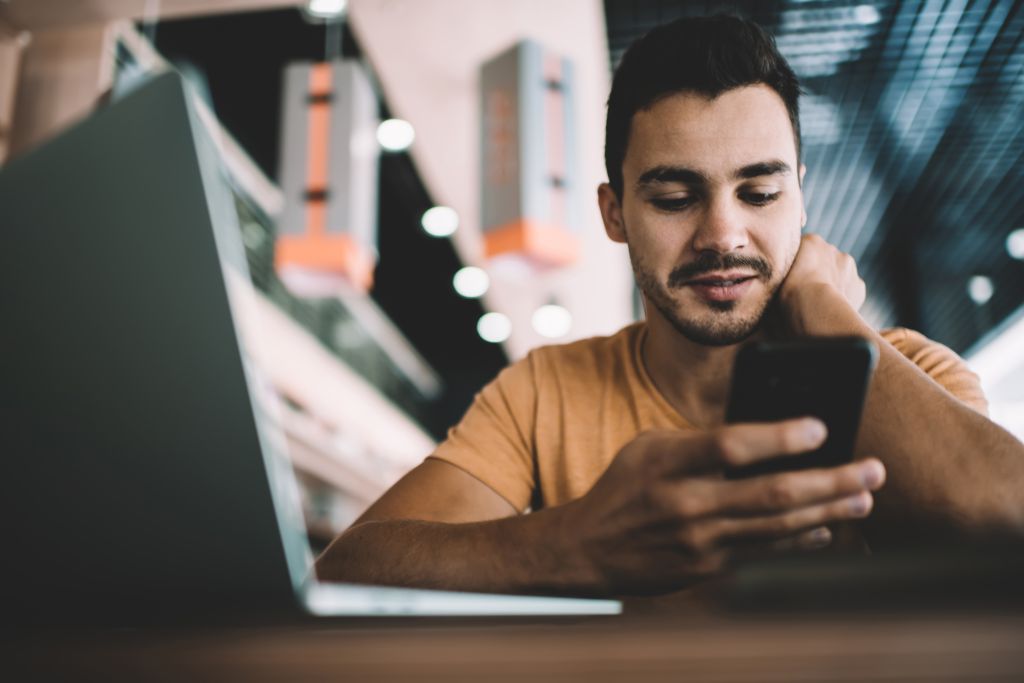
column 616, row 446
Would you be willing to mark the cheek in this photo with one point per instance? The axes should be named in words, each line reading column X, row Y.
column 792, row 246
column 653, row 240
column 787, row 224
column 779, row 244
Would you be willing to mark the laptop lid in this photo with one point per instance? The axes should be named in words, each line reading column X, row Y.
column 131, row 478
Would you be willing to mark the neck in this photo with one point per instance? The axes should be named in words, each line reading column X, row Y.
column 692, row 377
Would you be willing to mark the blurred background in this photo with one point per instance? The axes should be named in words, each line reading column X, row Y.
column 455, row 199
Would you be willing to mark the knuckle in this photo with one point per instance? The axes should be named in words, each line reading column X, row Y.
column 657, row 498
column 651, row 453
column 688, row 506
column 649, row 463
column 784, row 525
column 781, row 494
column 727, row 447
column 642, row 453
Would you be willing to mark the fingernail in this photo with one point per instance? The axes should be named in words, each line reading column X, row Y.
column 860, row 504
column 873, row 474
column 815, row 431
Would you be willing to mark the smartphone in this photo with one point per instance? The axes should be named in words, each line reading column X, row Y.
column 823, row 377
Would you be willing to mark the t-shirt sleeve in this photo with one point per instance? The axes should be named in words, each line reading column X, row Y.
column 942, row 364
column 494, row 440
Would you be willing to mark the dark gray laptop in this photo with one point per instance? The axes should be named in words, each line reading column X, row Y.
column 139, row 476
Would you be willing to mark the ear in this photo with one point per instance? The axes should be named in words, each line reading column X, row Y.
column 611, row 213
column 803, row 207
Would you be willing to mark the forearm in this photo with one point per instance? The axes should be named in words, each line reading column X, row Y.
column 520, row 554
column 948, row 466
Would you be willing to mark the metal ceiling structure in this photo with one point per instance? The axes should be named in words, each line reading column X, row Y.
column 913, row 136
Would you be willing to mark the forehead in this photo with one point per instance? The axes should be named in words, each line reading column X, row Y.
column 739, row 127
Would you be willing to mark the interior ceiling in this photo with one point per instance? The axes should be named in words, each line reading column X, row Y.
column 426, row 57
column 912, row 128
column 412, row 283
column 913, row 136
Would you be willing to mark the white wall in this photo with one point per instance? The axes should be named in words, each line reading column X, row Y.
column 427, row 56
column 999, row 360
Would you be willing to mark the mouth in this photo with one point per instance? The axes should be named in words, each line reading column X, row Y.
column 722, row 286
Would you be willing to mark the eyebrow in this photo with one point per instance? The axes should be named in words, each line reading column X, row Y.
column 689, row 176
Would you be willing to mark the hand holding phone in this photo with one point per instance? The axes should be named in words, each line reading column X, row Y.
column 823, row 377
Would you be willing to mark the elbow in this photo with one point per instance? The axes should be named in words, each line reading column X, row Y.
column 336, row 561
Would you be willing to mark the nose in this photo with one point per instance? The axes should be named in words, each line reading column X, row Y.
column 722, row 227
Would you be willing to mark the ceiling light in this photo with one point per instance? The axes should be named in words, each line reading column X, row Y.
column 440, row 221
column 326, row 9
column 552, row 321
column 980, row 289
column 253, row 235
column 395, row 135
column 867, row 14
column 1015, row 244
column 471, row 282
column 494, row 327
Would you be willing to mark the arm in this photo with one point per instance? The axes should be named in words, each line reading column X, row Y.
column 950, row 468
column 660, row 518
column 440, row 527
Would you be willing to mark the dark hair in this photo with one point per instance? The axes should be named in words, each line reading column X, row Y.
column 705, row 55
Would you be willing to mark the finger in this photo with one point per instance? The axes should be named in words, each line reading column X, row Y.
column 791, row 490
column 779, row 526
column 744, row 444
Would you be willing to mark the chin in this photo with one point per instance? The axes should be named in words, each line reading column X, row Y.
column 723, row 324
column 708, row 323
column 716, row 334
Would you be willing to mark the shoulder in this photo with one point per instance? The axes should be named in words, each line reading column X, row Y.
column 929, row 355
column 940, row 363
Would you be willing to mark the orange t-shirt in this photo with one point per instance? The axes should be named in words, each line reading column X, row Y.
column 549, row 425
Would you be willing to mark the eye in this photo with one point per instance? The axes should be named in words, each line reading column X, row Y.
column 759, row 198
column 672, row 203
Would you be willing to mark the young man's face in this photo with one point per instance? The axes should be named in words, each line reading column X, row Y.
column 711, row 209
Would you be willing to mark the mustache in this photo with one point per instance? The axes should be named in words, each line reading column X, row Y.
column 709, row 262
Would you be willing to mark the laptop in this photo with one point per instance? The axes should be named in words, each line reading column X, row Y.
column 141, row 474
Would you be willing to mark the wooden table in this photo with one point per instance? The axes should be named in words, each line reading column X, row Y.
column 638, row 646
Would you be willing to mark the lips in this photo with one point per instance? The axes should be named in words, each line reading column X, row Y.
column 727, row 286
column 721, row 279
column 719, row 283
